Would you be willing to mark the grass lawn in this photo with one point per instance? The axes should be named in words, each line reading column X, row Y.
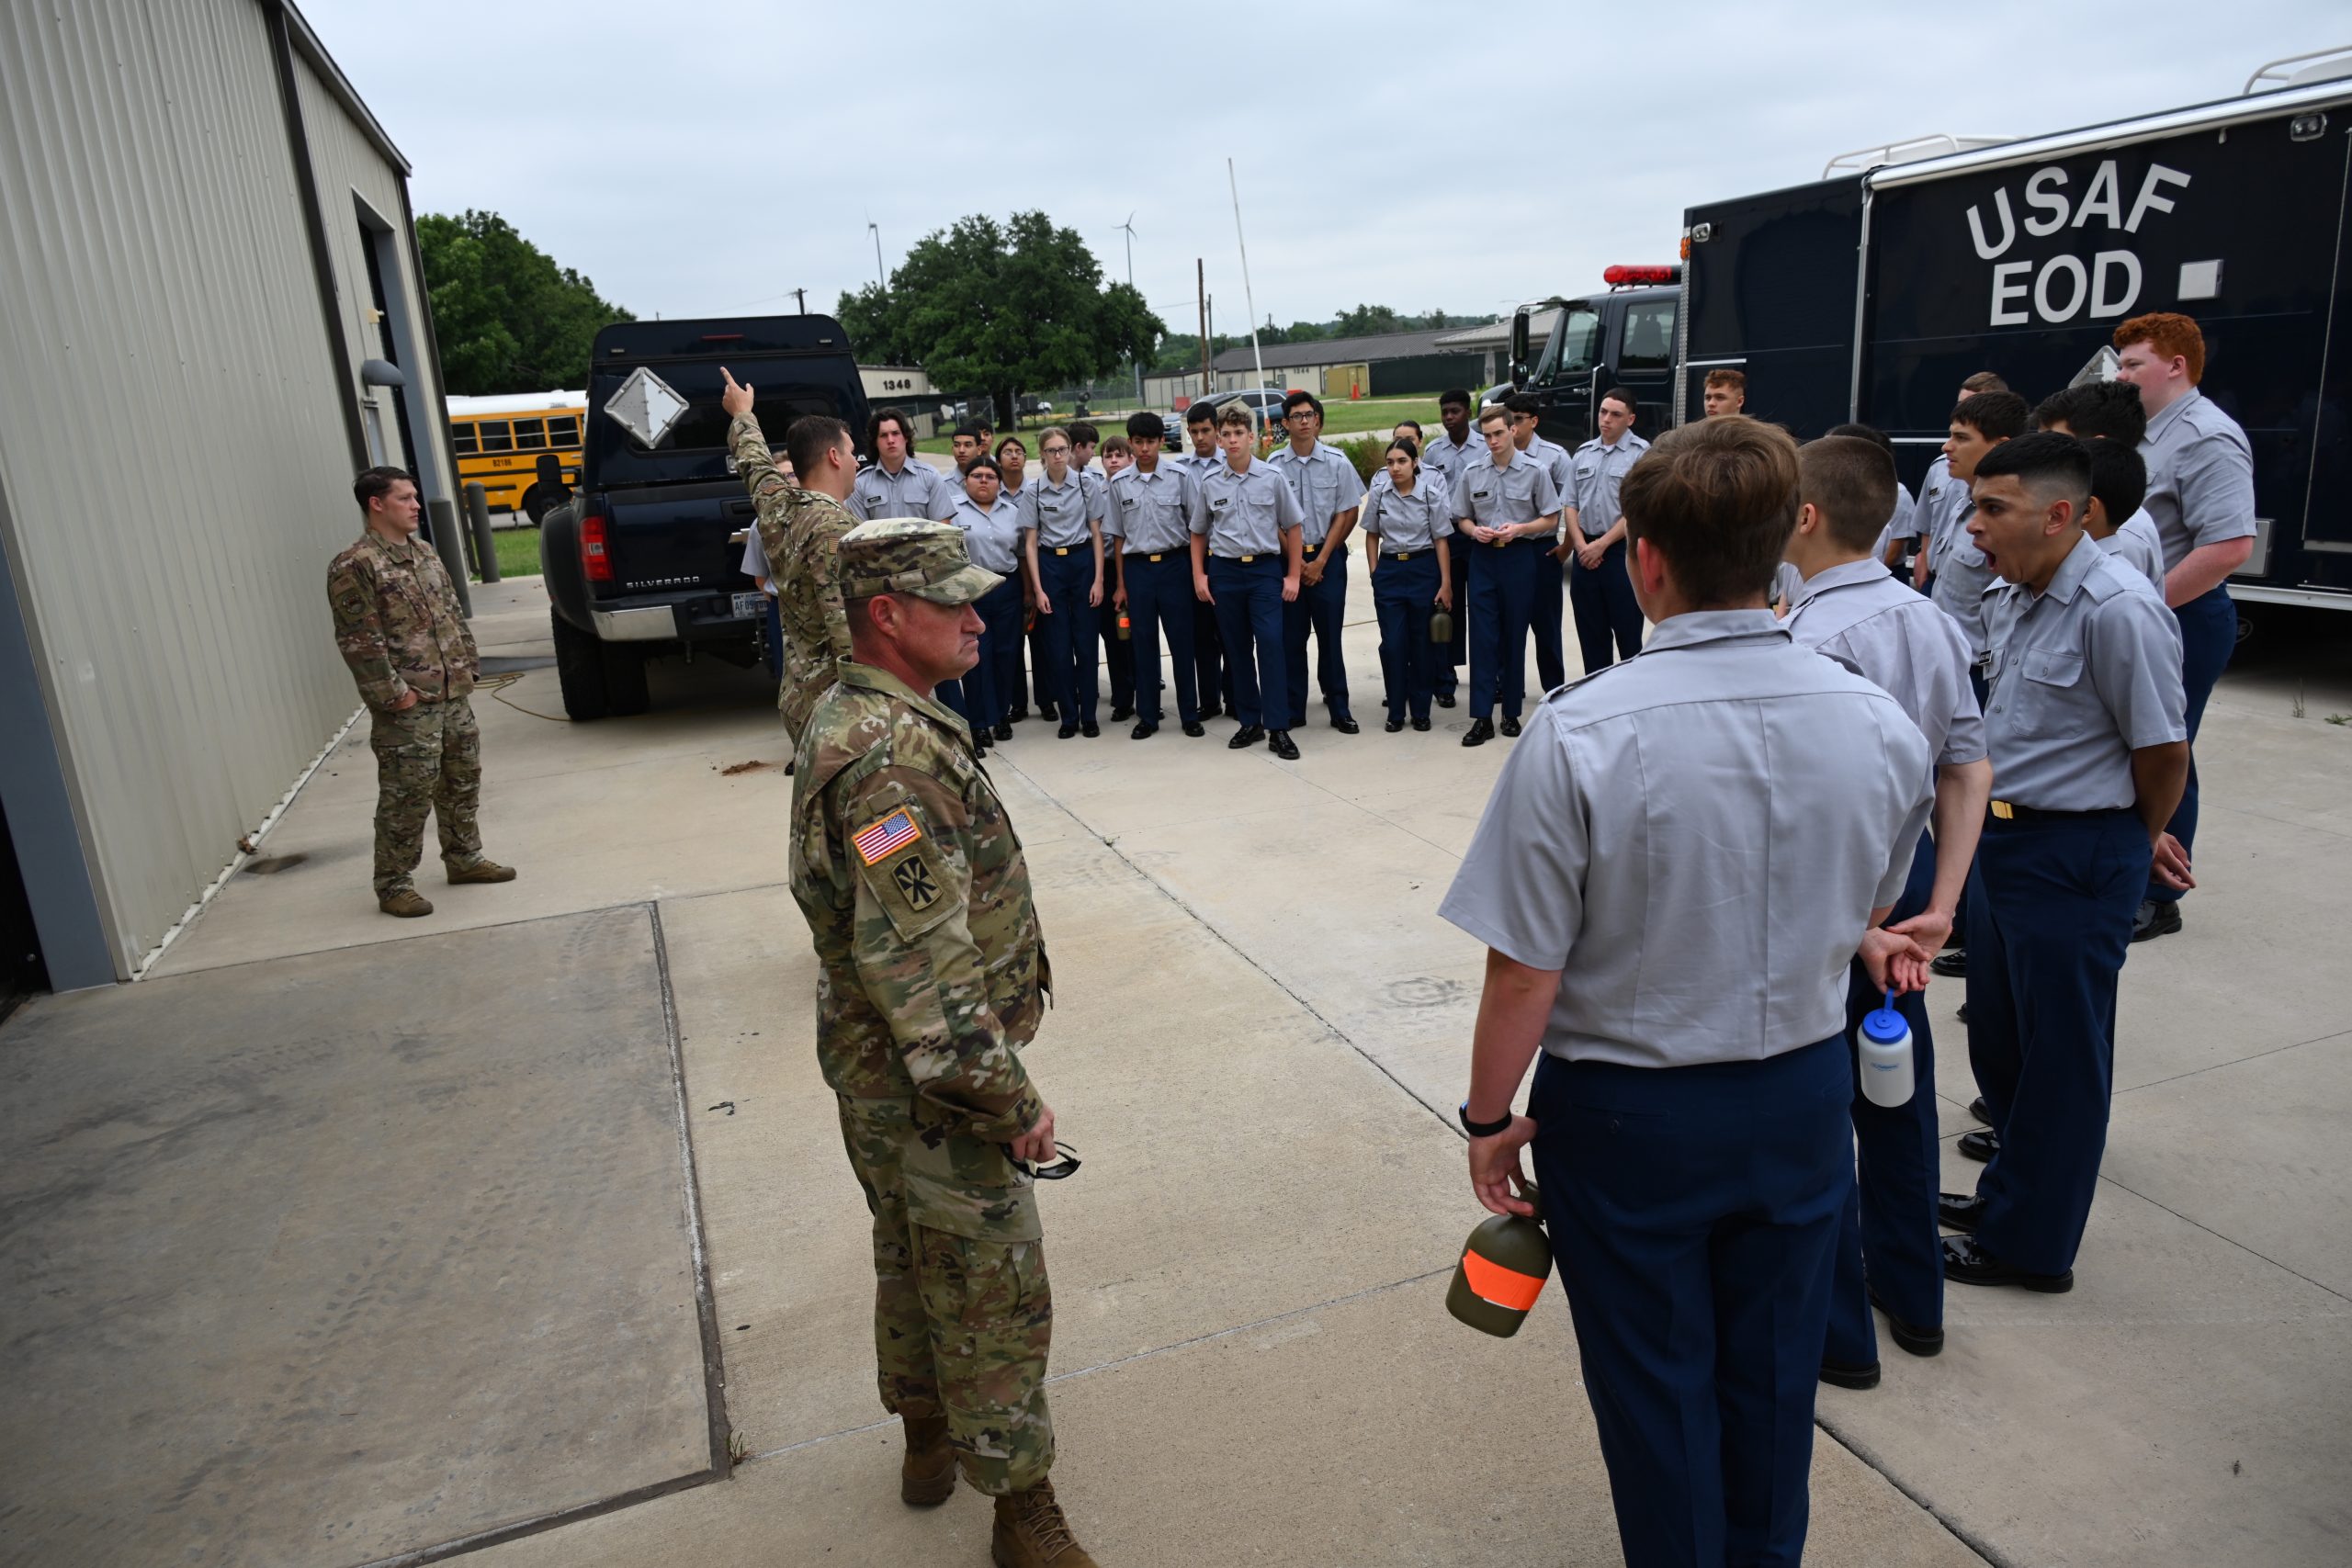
column 518, row 551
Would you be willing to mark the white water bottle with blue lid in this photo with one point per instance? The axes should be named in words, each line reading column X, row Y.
column 1882, row 1047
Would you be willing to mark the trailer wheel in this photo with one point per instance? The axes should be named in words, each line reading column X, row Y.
column 579, row 671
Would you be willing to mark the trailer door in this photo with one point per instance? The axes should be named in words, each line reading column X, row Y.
column 2327, row 515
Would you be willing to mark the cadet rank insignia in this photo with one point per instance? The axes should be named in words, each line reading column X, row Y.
column 914, row 884
column 886, row 837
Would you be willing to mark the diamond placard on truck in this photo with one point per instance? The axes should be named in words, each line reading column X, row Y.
column 646, row 406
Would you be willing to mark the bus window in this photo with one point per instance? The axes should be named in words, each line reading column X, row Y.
column 564, row 431
column 461, row 433
column 495, row 437
column 530, row 435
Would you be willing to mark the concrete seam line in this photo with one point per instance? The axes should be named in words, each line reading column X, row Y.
column 1231, row 946
column 406, row 936
column 538, row 1524
column 2237, row 1062
column 714, row 1366
column 1959, row 1532
column 2209, row 1230
column 1156, row 1350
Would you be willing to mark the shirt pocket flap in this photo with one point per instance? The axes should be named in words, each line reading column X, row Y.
column 2053, row 666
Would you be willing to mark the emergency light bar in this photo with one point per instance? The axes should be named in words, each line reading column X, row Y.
column 1620, row 275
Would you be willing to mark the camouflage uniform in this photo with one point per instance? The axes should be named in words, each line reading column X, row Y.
column 800, row 532
column 399, row 626
column 932, row 975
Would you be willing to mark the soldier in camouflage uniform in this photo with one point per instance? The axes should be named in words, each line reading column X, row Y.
column 397, row 623
column 799, row 528
column 932, row 976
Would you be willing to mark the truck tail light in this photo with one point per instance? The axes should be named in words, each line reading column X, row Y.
column 1617, row 274
column 595, row 563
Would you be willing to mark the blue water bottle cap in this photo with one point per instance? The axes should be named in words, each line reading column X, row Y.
column 1884, row 1026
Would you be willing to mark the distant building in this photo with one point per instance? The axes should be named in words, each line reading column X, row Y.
column 211, row 317
column 1389, row 364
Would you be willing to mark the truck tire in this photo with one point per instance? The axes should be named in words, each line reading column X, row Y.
column 624, row 668
column 580, row 671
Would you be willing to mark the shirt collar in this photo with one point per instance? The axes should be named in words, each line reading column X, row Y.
column 1869, row 569
column 850, row 672
column 1696, row 628
column 2067, row 580
column 2172, row 415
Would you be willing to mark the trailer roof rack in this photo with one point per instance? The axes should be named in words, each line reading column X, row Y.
column 1935, row 144
column 2319, row 65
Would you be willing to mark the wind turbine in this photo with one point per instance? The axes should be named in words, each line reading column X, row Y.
column 1128, row 229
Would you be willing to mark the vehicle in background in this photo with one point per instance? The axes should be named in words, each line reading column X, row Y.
column 1623, row 336
column 1870, row 294
column 642, row 562
column 1035, row 408
column 499, row 441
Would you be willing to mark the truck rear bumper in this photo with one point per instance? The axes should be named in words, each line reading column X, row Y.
column 702, row 618
column 654, row 623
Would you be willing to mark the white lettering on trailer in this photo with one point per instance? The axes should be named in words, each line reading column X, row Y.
column 2060, row 288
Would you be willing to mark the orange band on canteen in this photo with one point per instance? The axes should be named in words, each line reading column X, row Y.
column 1506, row 1288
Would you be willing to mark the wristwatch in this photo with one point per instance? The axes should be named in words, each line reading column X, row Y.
column 1482, row 1129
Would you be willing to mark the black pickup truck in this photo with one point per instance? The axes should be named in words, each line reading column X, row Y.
column 639, row 563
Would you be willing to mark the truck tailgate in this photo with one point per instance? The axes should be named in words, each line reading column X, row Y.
column 662, row 538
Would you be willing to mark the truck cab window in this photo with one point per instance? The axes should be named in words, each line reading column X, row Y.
column 1576, row 343
column 1649, row 336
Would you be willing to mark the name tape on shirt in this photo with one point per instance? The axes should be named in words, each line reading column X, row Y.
column 884, row 839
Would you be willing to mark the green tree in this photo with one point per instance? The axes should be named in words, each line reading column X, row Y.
column 1368, row 320
column 1003, row 308
column 508, row 318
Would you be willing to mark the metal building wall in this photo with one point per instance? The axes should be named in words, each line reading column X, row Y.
column 173, row 446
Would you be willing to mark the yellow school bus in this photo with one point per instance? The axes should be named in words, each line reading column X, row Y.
column 499, row 441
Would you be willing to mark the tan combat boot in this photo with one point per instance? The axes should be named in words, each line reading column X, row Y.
column 482, row 871
column 407, row 903
column 1032, row 1533
column 927, row 1476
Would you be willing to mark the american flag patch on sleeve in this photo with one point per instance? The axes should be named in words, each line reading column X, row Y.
column 886, row 837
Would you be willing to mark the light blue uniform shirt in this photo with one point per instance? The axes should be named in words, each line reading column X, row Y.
column 1450, row 461
column 918, row 490
column 1962, row 574
column 1598, row 470
column 992, row 538
column 1244, row 514
column 1408, row 525
column 1555, row 461
column 1938, row 513
column 1724, row 796
column 1491, row 496
column 1859, row 615
column 1323, row 482
column 2200, row 477
column 2136, row 544
column 1198, row 466
column 2084, row 674
column 1060, row 511
column 1151, row 513
column 1903, row 522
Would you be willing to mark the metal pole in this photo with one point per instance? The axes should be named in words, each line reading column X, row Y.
column 800, row 298
column 1249, row 298
column 1201, row 288
column 485, row 545
column 1131, row 283
column 444, row 515
column 879, row 276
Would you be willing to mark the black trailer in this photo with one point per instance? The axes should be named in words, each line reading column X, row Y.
column 1870, row 295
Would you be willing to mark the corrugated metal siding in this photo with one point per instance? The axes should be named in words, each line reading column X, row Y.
column 176, row 458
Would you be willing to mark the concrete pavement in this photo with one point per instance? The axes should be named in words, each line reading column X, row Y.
column 1260, row 1031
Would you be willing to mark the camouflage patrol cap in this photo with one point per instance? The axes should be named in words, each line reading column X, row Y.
column 910, row 555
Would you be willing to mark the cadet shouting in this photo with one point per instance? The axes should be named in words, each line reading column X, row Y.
column 399, row 626
column 933, row 976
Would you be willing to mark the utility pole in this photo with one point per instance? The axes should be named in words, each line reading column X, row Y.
column 879, row 276
column 1129, row 229
column 1201, row 287
column 800, row 298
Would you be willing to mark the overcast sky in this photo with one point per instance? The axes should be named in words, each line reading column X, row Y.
column 706, row 159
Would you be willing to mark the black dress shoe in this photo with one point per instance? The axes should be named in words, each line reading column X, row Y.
column 1143, row 731
column 1910, row 1336
column 1421, row 724
column 1194, row 728
column 1960, row 1210
column 1048, row 710
column 1980, row 1146
column 1281, row 744
column 1065, row 732
column 2158, row 917
column 1444, row 699
column 1121, row 713
column 1018, row 711
column 1982, row 1111
column 1510, row 727
column 1090, row 730
column 1951, row 962
column 1004, row 731
column 1210, row 710
column 1479, row 733
column 1248, row 735
column 1970, row 1264
column 1393, row 726
column 1963, row 1013
column 1346, row 726
column 1842, row 1374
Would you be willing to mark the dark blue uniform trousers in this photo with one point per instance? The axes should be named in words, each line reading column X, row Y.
column 1248, row 597
column 1160, row 596
column 1606, row 610
column 1070, row 631
column 993, row 684
column 1890, row 1222
column 1323, row 608
column 2209, row 634
column 1458, row 551
column 1694, row 1214
column 2050, row 916
column 1404, row 595
column 1502, row 596
column 1213, row 676
column 1551, row 610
